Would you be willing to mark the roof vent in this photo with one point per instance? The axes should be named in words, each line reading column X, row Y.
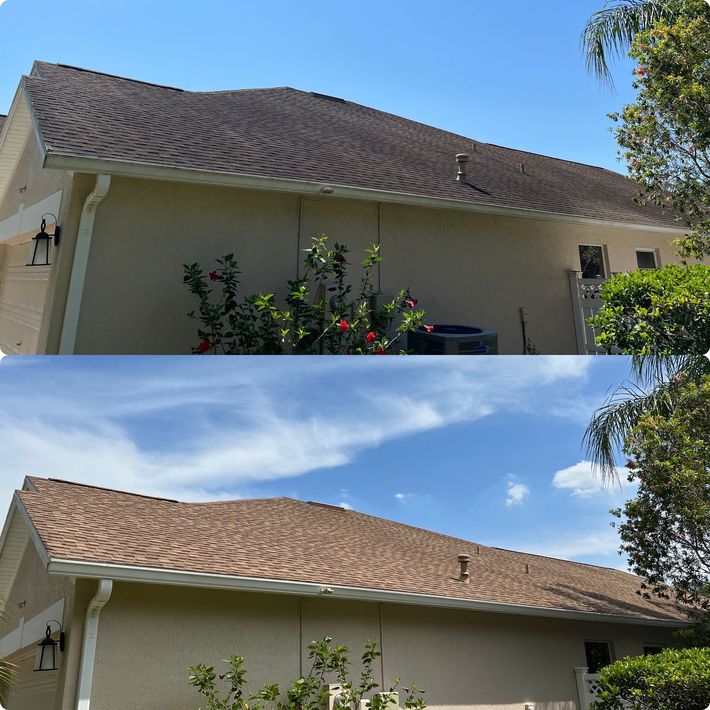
column 463, row 562
column 462, row 159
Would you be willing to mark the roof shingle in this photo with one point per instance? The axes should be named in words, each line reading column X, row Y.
column 286, row 539
column 297, row 135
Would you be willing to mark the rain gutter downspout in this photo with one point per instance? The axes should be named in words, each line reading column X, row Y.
column 75, row 293
column 88, row 646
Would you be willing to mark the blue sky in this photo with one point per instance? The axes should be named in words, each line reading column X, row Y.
column 487, row 449
column 507, row 73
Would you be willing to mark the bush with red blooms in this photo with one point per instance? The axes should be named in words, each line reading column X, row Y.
column 320, row 315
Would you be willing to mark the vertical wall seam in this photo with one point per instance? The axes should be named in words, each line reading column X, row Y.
column 379, row 244
column 298, row 236
column 382, row 650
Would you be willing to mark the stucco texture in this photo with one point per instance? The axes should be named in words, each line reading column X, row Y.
column 464, row 268
column 482, row 661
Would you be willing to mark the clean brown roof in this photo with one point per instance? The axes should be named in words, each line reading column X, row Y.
column 286, row 539
column 298, row 135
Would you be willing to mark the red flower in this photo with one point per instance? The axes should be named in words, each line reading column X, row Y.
column 429, row 328
column 204, row 346
column 343, row 326
column 340, row 258
column 641, row 71
column 214, row 276
column 371, row 337
column 411, row 302
column 380, row 351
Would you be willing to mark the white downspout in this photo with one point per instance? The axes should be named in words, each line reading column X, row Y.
column 88, row 646
column 81, row 258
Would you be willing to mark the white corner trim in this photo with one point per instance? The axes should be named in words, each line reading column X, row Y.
column 81, row 258
column 303, row 187
column 151, row 575
column 32, row 631
column 88, row 646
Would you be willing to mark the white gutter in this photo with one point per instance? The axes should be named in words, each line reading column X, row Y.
column 75, row 293
column 88, row 646
column 303, row 187
column 153, row 575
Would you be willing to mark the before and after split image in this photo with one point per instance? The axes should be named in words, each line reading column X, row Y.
column 355, row 356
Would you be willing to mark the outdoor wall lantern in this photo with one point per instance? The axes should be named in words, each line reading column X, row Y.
column 40, row 250
column 47, row 649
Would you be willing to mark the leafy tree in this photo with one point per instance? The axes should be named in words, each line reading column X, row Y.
column 656, row 311
column 665, row 529
column 321, row 315
column 671, row 680
column 610, row 32
column 665, row 134
column 329, row 664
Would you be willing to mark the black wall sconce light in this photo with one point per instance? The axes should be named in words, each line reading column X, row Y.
column 47, row 649
column 40, row 251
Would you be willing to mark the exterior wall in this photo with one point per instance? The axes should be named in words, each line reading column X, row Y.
column 469, row 659
column 464, row 268
column 31, row 594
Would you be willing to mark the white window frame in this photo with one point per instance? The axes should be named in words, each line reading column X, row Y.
column 605, row 257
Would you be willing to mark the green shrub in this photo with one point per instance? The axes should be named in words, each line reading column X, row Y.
column 656, row 311
column 671, row 680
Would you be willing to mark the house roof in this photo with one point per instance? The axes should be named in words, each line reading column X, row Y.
column 287, row 539
column 287, row 134
column 2, row 120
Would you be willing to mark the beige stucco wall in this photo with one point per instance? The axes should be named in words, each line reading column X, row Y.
column 152, row 634
column 464, row 268
column 33, row 592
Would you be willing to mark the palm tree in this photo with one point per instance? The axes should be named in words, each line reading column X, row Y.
column 7, row 670
column 610, row 31
column 652, row 390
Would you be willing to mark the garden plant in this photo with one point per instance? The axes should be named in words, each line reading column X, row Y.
column 318, row 314
column 330, row 664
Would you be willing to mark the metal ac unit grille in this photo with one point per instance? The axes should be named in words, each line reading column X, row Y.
column 454, row 340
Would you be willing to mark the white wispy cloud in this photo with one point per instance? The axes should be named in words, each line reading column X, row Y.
column 583, row 481
column 217, row 427
column 516, row 493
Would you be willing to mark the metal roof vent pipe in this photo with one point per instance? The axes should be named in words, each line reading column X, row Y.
column 464, row 576
column 462, row 159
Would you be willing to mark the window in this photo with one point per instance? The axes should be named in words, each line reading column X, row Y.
column 598, row 655
column 652, row 650
column 646, row 259
column 591, row 259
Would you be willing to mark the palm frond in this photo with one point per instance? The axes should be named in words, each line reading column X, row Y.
column 650, row 370
column 611, row 424
column 609, row 32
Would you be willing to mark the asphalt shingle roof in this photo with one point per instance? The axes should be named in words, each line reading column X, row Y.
column 298, row 135
column 286, row 539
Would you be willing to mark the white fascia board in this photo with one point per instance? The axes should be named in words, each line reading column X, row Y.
column 254, row 182
column 180, row 578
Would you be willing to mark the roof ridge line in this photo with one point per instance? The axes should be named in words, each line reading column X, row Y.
column 102, row 488
column 116, row 76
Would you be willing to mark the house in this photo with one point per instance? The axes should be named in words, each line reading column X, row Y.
column 144, row 178
column 144, row 587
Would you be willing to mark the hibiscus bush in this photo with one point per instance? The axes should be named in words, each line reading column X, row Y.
column 330, row 664
column 671, row 680
column 318, row 314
